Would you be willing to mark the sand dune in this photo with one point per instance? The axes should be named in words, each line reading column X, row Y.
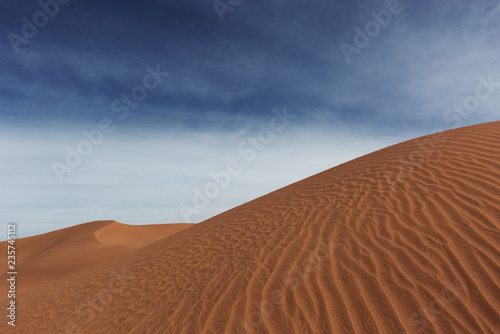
column 48, row 257
column 402, row 240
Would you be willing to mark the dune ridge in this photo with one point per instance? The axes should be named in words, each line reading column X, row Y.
column 51, row 256
column 392, row 242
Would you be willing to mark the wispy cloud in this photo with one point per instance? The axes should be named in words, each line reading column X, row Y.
column 225, row 78
column 142, row 177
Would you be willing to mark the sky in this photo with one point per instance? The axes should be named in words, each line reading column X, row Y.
column 150, row 112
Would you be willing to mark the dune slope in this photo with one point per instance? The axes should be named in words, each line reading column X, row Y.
column 51, row 256
column 402, row 240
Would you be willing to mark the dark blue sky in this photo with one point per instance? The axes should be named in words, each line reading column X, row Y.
column 225, row 78
column 263, row 54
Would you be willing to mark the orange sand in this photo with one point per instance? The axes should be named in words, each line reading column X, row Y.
column 48, row 257
column 345, row 251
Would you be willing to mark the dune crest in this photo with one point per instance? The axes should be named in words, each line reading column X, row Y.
column 402, row 240
column 51, row 256
column 118, row 234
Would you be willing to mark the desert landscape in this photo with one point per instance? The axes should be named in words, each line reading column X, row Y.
column 54, row 255
column 402, row 240
column 250, row 167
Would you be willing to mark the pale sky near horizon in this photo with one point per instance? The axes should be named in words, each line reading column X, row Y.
column 92, row 127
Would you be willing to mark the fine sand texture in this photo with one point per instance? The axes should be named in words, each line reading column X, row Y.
column 402, row 240
column 51, row 256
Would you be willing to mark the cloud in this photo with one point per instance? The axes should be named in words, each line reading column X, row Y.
column 264, row 54
column 142, row 177
column 225, row 78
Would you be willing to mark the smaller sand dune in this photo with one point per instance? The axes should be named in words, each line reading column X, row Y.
column 51, row 256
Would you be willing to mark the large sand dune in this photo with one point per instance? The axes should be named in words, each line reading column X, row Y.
column 405, row 239
column 51, row 256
